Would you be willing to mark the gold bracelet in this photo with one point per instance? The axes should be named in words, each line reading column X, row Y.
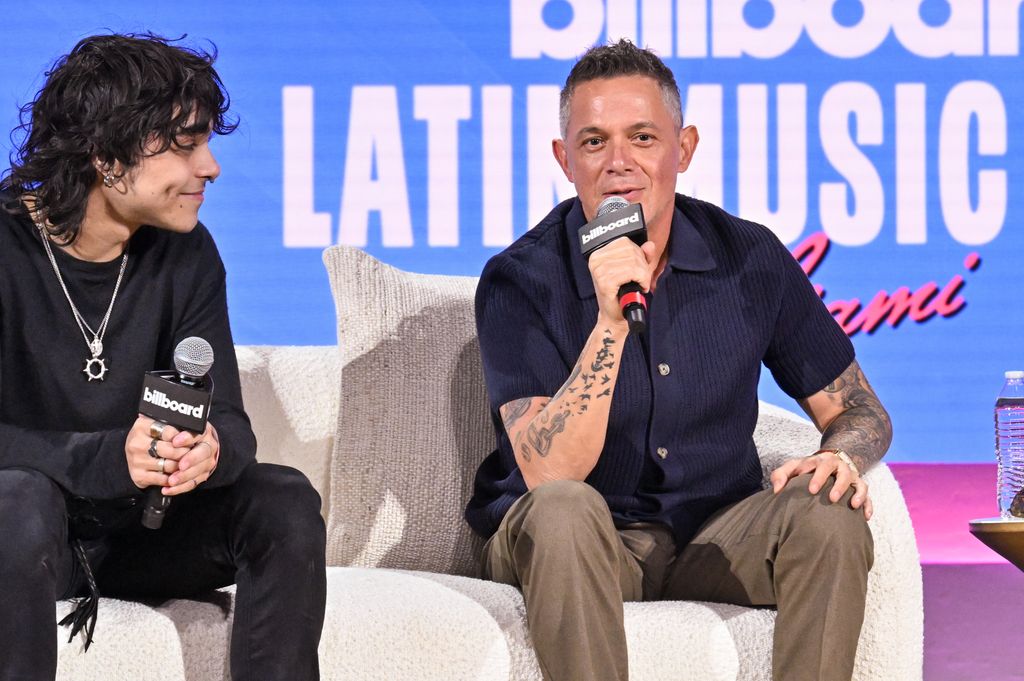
column 842, row 456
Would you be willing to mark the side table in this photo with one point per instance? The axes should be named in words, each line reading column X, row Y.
column 1005, row 537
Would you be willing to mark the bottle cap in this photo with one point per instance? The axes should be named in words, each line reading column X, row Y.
column 1014, row 374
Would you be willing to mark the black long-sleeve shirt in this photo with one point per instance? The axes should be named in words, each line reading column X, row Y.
column 56, row 421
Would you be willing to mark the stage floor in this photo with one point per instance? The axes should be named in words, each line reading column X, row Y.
column 973, row 598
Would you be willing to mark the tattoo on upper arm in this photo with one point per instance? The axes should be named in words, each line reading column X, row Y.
column 863, row 429
column 852, row 388
column 838, row 384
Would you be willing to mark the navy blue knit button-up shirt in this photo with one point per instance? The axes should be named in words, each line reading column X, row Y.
column 680, row 432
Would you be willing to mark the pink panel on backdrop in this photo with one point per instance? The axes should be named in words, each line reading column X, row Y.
column 943, row 499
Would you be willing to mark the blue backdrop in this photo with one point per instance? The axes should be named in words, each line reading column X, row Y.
column 877, row 138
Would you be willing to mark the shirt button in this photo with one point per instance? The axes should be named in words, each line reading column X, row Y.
column 662, row 452
column 664, row 369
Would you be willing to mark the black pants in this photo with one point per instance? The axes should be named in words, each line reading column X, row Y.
column 264, row 533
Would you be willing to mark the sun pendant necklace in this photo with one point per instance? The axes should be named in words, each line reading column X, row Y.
column 95, row 366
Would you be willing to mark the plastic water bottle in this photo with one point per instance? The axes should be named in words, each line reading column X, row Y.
column 1010, row 446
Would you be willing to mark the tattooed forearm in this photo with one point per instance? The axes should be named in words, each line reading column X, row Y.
column 569, row 384
column 568, row 429
column 582, row 390
column 863, row 433
column 517, row 445
column 539, row 436
column 514, row 410
column 604, row 353
column 863, row 429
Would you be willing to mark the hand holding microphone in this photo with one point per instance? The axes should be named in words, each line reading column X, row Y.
column 145, row 469
column 180, row 445
column 612, row 257
column 186, row 456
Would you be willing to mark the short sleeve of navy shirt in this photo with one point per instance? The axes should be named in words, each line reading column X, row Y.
column 680, row 432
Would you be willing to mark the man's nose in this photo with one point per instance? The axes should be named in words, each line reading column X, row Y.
column 207, row 164
column 620, row 156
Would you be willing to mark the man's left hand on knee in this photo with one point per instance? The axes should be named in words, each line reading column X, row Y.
column 822, row 465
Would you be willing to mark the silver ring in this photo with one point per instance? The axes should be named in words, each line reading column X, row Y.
column 156, row 430
column 162, row 462
column 152, row 449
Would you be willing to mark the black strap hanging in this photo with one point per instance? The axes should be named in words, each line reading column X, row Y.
column 83, row 616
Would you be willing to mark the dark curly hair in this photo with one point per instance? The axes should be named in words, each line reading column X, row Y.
column 620, row 59
column 112, row 99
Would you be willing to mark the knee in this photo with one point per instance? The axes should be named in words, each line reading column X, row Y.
column 281, row 509
column 837, row 526
column 33, row 527
column 562, row 507
column 565, row 498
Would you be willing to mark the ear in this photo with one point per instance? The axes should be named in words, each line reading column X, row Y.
column 108, row 174
column 688, row 139
column 105, row 168
column 558, row 149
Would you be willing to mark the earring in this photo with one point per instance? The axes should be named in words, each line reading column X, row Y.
column 108, row 179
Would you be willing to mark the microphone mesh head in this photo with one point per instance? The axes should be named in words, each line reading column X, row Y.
column 193, row 357
column 610, row 204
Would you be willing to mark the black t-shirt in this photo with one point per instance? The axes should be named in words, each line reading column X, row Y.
column 52, row 417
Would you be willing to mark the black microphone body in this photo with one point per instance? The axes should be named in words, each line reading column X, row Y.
column 181, row 399
column 617, row 218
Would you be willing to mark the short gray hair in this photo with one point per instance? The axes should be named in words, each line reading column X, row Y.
column 620, row 59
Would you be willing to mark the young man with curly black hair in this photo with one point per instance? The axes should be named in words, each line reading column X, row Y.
column 104, row 268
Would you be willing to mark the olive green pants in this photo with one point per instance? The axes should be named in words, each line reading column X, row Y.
column 794, row 550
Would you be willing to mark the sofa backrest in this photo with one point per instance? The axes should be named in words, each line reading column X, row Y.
column 291, row 395
column 413, row 421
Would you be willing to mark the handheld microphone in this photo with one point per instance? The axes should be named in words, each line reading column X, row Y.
column 617, row 218
column 177, row 398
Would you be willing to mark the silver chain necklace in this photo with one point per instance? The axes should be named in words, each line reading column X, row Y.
column 95, row 366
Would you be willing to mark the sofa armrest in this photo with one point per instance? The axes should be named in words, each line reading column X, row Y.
column 291, row 396
column 892, row 638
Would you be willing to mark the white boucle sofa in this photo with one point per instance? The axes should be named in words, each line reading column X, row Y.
column 389, row 426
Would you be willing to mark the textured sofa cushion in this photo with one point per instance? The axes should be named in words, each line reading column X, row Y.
column 413, row 423
column 456, row 629
column 291, row 396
